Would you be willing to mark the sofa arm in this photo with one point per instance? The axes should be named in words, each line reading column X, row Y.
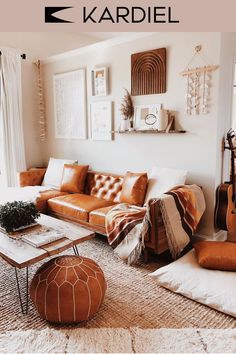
column 32, row 177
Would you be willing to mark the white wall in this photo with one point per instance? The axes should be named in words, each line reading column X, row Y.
column 195, row 151
column 234, row 99
column 225, row 112
column 37, row 45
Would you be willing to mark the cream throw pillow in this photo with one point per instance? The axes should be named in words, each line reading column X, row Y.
column 214, row 288
column 161, row 180
column 53, row 176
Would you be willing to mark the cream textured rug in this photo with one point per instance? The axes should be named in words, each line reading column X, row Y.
column 133, row 299
column 119, row 340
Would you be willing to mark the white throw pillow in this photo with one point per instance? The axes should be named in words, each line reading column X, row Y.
column 53, row 176
column 213, row 288
column 161, row 180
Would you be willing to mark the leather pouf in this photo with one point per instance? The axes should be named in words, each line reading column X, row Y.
column 68, row 289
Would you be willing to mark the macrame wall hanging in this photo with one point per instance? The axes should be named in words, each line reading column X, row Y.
column 199, row 83
column 41, row 104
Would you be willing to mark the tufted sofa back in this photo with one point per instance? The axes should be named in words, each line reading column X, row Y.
column 103, row 185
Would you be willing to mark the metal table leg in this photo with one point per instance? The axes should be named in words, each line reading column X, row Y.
column 76, row 252
column 24, row 305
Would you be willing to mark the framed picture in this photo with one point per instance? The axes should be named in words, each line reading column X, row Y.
column 146, row 116
column 100, row 82
column 70, row 105
column 101, row 120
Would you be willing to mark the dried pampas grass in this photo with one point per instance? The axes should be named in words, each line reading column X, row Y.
column 127, row 107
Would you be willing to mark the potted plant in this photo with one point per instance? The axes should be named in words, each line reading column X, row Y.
column 127, row 110
column 17, row 215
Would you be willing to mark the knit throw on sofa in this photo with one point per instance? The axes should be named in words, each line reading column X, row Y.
column 181, row 209
column 25, row 194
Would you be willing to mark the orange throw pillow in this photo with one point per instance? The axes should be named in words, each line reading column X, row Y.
column 73, row 179
column 134, row 188
column 216, row 255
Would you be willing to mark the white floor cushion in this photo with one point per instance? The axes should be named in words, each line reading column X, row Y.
column 214, row 288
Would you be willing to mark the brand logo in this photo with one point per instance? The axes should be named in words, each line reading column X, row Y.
column 50, row 11
column 134, row 14
column 119, row 14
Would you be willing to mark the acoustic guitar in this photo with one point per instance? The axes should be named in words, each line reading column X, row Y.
column 225, row 210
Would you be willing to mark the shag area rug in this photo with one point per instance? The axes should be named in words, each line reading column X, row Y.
column 119, row 340
column 132, row 299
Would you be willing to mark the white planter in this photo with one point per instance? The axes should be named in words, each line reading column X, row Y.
column 124, row 125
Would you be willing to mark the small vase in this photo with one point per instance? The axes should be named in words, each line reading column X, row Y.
column 162, row 120
column 124, row 125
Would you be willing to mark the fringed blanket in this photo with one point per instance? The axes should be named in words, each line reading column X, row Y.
column 125, row 231
column 181, row 209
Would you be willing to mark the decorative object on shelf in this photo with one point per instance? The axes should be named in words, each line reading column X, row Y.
column 151, row 131
column 41, row 104
column 101, row 120
column 16, row 215
column 146, row 116
column 127, row 110
column 162, row 119
column 171, row 125
column 70, row 105
column 100, row 82
column 148, row 72
column 150, row 119
column 125, row 125
column 198, row 85
column 153, row 120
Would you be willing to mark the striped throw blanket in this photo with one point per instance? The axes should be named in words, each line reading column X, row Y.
column 181, row 210
column 125, row 231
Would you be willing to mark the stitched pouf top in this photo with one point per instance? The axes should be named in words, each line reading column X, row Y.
column 68, row 289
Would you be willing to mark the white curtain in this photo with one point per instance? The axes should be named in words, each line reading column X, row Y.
column 11, row 127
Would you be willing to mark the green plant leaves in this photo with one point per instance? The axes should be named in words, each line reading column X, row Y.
column 17, row 214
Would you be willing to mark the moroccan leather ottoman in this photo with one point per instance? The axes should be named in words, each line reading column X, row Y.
column 68, row 289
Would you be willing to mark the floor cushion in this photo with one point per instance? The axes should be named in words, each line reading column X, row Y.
column 68, row 289
column 76, row 206
column 216, row 255
column 213, row 288
column 98, row 216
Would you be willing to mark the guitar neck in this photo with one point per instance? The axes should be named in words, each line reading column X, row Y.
column 232, row 179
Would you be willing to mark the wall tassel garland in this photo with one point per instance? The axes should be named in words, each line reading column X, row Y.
column 198, row 86
column 41, row 104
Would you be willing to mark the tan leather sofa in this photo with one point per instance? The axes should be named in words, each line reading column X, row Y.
column 102, row 191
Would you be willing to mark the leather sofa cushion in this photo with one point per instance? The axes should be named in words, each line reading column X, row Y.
column 105, row 186
column 76, row 206
column 216, row 255
column 97, row 216
column 53, row 175
column 41, row 201
column 73, row 178
column 134, row 188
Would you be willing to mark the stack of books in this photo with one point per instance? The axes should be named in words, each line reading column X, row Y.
column 43, row 237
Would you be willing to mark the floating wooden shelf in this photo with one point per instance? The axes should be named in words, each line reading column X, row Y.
column 151, row 131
